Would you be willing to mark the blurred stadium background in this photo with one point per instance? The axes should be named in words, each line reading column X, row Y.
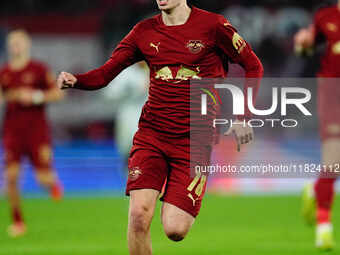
column 92, row 132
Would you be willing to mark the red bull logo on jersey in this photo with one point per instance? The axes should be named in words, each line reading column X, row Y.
column 183, row 74
column 164, row 74
column 195, row 46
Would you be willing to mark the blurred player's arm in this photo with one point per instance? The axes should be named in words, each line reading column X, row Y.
column 52, row 93
column 29, row 96
column 9, row 96
column 240, row 52
column 126, row 54
column 306, row 39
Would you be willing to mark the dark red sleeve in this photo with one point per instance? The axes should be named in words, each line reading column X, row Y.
column 240, row 52
column 1, row 82
column 126, row 54
column 317, row 24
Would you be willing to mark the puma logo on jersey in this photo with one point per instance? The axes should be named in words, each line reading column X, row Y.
column 193, row 200
column 155, row 46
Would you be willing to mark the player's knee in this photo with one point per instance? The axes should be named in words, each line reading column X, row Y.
column 176, row 233
column 45, row 177
column 140, row 218
column 11, row 174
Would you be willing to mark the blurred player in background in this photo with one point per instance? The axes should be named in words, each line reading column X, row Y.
column 325, row 28
column 129, row 91
column 26, row 87
column 180, row 44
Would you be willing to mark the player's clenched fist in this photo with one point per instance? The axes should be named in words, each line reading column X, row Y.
column 66, row 80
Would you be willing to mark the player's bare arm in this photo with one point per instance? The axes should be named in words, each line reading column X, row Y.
column 30, row 97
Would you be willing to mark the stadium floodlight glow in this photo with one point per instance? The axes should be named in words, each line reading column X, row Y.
column 239, row 100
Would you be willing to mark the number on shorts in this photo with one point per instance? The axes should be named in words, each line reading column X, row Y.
column 200, row 186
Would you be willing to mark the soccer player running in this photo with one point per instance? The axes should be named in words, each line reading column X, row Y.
column 179, row 44
column 326, row 27
column 26, row 86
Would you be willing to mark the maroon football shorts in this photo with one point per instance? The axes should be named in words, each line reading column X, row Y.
column 329, row 108
column 156, row 160
column 35, row 143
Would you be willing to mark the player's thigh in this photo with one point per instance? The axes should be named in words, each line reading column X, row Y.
column 13, row 151
column 176, row 222
column 41, row 156
column 148, row 169
column 185, row 189
column 141, row 209
column 12, row 172
column 331, row 151
column 147, row 173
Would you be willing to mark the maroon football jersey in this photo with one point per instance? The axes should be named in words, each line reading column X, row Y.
column 327, row 26
column 34, row 75
column 175, row 55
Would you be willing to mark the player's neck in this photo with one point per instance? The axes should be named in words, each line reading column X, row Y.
column 176, row 16
column 19, row 62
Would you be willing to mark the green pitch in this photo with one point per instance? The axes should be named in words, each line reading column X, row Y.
column 227, row 225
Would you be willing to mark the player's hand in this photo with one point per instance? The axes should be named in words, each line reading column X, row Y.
column 243, row 134
column 25, row 96
column 66, row 80
column 304, row 39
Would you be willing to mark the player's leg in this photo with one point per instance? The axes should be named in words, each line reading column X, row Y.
column 176, row 222
column 183, row 195
column 329, row 112
column 12, row 170
column 324, row 187
column 324, row 194
column 148, row 170
column 41, row 158
column 141, row 211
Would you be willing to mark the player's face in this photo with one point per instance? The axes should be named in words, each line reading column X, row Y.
column 17, row 45
column 166, row 5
